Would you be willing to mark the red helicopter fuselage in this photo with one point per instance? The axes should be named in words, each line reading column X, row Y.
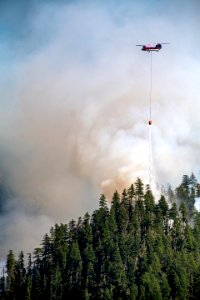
column 149, row 48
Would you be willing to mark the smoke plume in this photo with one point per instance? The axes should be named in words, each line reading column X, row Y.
column 75, row 106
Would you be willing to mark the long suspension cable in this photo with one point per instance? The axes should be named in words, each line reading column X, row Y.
column 150, row 99
column 150, row 121
column 150, row 156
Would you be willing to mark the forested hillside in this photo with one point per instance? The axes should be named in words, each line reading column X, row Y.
column 132, row 249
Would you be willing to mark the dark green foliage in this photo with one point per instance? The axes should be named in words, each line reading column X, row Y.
column 10, row 280
column 135, row 250
column 187, row 191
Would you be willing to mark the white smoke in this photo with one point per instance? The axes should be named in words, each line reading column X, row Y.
column 75, row 101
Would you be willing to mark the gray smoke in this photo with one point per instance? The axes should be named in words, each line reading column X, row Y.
column 75, row 101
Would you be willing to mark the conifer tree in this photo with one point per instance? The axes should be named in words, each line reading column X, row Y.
column 20, row 276
column 139, row 189
column 131, row 193
column 10, row 280
column 73, row 271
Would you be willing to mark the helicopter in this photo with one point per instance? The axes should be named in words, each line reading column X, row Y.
column 152, row 47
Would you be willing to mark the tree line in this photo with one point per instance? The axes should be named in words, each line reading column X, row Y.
column 134, row 248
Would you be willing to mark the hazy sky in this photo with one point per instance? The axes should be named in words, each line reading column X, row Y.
column 74, row 95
